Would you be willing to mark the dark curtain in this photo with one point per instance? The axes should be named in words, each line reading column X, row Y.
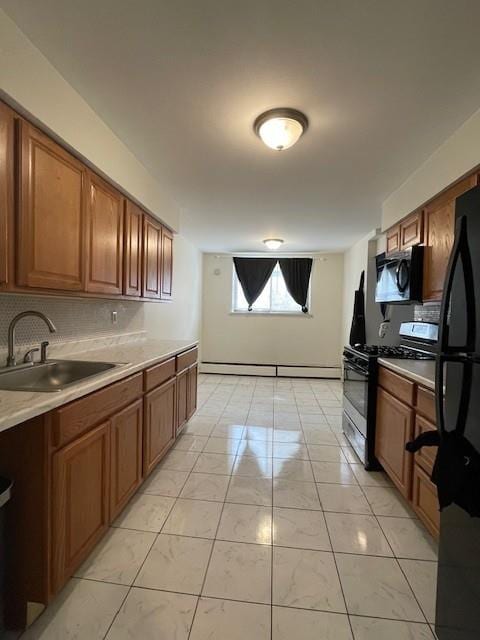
column 253, row 274
column 296, row 273
column 358, row 329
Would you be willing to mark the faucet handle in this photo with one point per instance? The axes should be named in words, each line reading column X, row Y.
column 43, row 353
column 28, row 357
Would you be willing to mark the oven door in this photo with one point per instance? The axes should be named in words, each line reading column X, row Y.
column 355, row 390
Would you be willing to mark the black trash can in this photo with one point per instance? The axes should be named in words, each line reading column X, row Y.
column 5, row 493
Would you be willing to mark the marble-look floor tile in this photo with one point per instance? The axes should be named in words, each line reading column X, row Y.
column 422, row 577
column 377, row 629
column 239, row 571
column 352, row 533
column 324, row 437
column 179, row 461
column 326, row 453
column 296, row 495
column 290, row 450
column 145, row 512
column 233, row 431
column 288, row 435
column 332, row 472
column 296, row 470
column 258, row 433
column 387, row 502
column 306, row 580
column 290, row 623
column 164, row 482
column 214, row 463
column 350, row 455
column 227, row 446
column 300, row 528
column 244, row 490
column 205, row 486
column 226, row 619
column 253, row 467
column 190, row 443
column 196, row 518
column 83, row 610
column 118, row 557
column 246, row 523
column 149, row 615
column 376, row 587
column 202, row 430
column 409, row 538
column 255, row 448
column 370, row 478
column 176, row 563
column 343, row 498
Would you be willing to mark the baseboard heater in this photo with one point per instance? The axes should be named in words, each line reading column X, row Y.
column 270, row 370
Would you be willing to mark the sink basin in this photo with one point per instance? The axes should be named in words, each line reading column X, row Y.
column 53, row 375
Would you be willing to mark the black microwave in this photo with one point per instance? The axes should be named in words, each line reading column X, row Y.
column 400, row 277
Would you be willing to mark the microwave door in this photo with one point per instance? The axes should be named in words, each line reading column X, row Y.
column 387, row 290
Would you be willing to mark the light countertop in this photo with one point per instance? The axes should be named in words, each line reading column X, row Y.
column 420, row 371
column 19, row 406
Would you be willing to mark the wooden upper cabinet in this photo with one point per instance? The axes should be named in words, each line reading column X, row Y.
column 393, row 239
column 105, row 210
column 51, row 214
column 167, row 264
column 411, row 230
column 152, row 258
column 132, row 251
column 6, row 196
column 439, row 220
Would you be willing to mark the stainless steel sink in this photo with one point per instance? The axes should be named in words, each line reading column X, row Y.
column 53, row 375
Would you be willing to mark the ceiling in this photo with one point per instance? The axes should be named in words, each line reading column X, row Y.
column 382, row 82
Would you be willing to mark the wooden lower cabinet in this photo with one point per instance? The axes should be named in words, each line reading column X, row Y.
column 182, row 399
column 192, row 383
column 126, row 456
column 425, row 501
column 80, row 498
column 393, row 430
column 159, row 428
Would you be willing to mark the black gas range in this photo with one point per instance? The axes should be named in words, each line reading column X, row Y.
column 360, row 376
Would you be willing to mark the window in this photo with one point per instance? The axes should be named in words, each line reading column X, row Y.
column 273, row 299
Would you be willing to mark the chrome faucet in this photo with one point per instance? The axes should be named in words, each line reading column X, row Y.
column 11, row 362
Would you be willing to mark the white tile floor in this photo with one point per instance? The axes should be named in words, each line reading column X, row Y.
column 260, row 524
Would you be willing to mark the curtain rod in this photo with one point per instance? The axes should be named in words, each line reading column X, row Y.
column 257, row 254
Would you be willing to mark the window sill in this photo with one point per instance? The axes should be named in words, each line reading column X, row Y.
column 291, row 314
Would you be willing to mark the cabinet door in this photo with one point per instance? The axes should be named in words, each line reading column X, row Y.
column 126, row 456
column 393, row 239
column 425, row 457
column 411, row 230
column 192, row 390
column 6, row 196
column 104, row 237
column 425, row 500
column 167, row 264
column 182, row 399
column 439, row 217
column 152, row 255
column 132, row 275
column 51, row 214
column 80, row 486
column 393, row 430
column 159, row 431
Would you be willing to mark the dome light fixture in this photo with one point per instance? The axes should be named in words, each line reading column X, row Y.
column 280, row 128
column 273, row 243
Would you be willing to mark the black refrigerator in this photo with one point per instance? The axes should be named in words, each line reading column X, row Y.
column 458, row 372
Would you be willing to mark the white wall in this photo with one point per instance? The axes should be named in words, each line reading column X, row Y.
column 179, row 319
column 287, row 340
column 28, row 79
column 454, row 158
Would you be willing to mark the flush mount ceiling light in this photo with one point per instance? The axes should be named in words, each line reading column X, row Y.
column 281, row 128
column 273, row 243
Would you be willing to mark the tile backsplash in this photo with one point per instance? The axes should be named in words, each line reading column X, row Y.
column 75, row 319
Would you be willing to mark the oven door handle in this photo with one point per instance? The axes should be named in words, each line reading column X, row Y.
column 350, row 367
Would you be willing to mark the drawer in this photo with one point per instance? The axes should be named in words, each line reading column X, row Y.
column 425, row 501
column 76, row 418
column 158, row 374
column 426, row 456
column 186, row 359
column 397, row 385
column 426, row 404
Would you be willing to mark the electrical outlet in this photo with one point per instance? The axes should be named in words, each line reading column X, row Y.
column 114, row 317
